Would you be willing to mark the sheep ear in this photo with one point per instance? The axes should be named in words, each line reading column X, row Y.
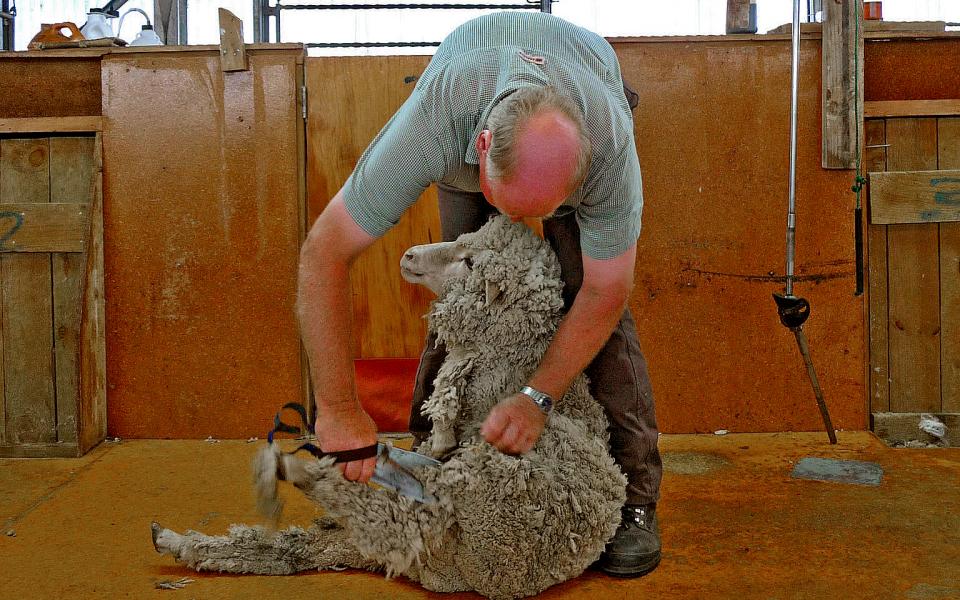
column 493, row 292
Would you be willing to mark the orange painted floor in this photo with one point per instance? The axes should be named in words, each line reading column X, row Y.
column 735, row 525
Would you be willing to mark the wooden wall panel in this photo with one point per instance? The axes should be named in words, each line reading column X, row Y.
column 911, row 69
column 914, row 286
column 948, row 142
column 349, row 101
column 201, row 228
column 712, row 132
column 71, row 182
column 30, row 397
column 49, row 87
column 713, row 139
column 875, row 159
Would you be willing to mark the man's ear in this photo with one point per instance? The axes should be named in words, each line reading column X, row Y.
column 484, row 140
column 493, row 293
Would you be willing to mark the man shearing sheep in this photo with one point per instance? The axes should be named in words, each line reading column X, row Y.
column 525, row 114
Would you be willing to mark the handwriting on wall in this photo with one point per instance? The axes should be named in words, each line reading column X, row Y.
column 7, row 230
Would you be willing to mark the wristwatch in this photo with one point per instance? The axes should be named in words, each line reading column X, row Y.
column 544, row 401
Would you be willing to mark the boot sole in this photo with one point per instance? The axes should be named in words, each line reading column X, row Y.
column 630, row 572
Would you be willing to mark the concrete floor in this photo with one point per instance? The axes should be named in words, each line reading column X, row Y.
column 734, row 523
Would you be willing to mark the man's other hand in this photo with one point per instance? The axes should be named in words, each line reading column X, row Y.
column 348, row 431
column 514, row 425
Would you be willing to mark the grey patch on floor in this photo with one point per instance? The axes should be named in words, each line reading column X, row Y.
column 692, row 463
column 841, row 471
column 926, row 591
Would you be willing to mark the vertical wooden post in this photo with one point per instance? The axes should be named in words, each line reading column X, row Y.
column 233, row 55
column 738, row 16
column 842, row 89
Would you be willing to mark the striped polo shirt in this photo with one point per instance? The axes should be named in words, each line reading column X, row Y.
column 432, row 137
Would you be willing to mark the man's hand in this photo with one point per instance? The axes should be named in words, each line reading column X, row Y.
column 514, row 425
column 348, row 431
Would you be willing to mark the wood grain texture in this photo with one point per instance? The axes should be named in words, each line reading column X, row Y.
column 233, row 55
column 738, row 16
column 914, row 273
column 30, row 400
column 92, row 412
column 910, row 108
column 948, row 138
column 875, row 159
column 842, row 84
column 915, row 197
column 349, row 100
column 47, row 86
column 51, row 125
column 43, row 227
column 911, row 69
column 71, row 183
column 201, row 232
column 48, row 450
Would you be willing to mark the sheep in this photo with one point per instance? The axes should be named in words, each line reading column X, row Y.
column 504, row 526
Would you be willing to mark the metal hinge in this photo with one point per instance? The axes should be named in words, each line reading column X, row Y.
column 303, row 100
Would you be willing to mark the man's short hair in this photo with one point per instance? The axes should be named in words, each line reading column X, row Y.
column 508, row 118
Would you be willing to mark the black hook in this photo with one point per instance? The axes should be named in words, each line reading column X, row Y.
column 793, row 311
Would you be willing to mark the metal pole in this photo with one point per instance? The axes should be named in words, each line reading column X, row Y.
column 546, row 6
column 794, row 311
column 7, row 25
column 792, row 201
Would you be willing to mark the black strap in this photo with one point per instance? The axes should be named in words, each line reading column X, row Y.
column 341, row 456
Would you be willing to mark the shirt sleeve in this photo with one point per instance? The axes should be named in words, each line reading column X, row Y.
column 609, row 214
column 394, row 170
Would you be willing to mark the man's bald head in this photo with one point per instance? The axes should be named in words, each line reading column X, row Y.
column 534, row 152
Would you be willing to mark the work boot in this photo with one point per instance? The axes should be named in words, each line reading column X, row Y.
column 635, row 548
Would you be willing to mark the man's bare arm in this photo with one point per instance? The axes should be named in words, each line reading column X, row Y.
column 326, row 315
column 515, row 424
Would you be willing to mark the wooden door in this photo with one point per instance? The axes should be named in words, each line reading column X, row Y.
column 914, row 258
column 51, row 336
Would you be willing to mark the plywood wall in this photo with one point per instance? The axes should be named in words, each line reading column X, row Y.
column 712, row 133
column 349, row 99
column 202, row 230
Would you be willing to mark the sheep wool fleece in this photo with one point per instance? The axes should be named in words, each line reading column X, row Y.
column 504, row 526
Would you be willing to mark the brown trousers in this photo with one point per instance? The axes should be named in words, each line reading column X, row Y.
column 618, row 374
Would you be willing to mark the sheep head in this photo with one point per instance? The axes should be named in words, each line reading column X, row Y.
column 495, row 287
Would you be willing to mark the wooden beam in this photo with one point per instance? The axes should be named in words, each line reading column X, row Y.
column 43, row 227
column 51, row 125
column 842, row 90
column 904, row 427
column 914, row 197
column 948, row 157
column 93, row 363
column 875, row 159
column 233, row 56
column 913, row 268
column 738, row 16
column 51, row 450
column 910, row 108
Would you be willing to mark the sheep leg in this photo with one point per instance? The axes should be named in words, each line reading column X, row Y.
column 257, row 550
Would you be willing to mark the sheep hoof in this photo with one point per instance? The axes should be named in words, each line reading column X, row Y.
column 165, row 541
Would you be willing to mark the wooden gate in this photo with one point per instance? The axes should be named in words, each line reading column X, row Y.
column 914, row 266
column 52, row 385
